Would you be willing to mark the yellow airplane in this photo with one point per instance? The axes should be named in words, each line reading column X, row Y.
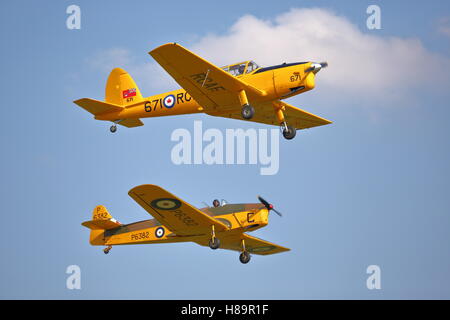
column 242, row 91
column 220, row 226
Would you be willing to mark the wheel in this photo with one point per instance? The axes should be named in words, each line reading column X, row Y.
column 244, row 257
column 214, row 244
column 113, row 128
column 106, row 251
column 289, row 133
column 247, row 112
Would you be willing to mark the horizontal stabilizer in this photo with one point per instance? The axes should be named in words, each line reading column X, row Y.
column 130, row 123
column 102, row 224
column 97, row 107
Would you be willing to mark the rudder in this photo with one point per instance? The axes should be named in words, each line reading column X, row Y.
column 101, row 221
column 121, row 88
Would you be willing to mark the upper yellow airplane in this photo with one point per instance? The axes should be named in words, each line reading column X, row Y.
column 223, row 225
column 239, row 91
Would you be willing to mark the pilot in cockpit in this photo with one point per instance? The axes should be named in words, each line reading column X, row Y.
column 241, row 69
column 216, row 203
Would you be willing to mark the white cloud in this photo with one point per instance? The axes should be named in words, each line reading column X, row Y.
column 363, row 66
column 359, row 63
column 109, row 59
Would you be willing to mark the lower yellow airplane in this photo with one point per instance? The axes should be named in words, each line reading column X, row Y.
column 242, row 91
column 220, row 226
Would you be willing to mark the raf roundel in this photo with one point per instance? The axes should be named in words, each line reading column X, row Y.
column 169, row 101
column 159, row 232
column 166, row 204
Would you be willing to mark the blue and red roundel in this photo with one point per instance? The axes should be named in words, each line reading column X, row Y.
column 169, row 101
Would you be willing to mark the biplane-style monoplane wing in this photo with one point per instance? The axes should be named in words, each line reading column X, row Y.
column 212, row 87
column 178, row 216
column 252, row 244
column 294, row 116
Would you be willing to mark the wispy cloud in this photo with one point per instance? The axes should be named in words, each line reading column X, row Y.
column 444, row 26
column 149, row 76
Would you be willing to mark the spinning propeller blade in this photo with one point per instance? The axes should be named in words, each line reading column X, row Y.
column 317, row 66
column 269, row 206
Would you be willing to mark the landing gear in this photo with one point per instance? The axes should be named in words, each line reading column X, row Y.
column 113, row 128
column 247, row 112
column 244, row 257
column 289, row 132
column 214, row 243
column 107, row 249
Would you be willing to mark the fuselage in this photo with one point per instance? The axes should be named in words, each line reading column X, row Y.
column 239, row 218
column 277, row 82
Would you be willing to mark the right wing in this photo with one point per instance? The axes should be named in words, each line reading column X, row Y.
column 177, row 215
column 219, row 90
column 264, row 113
column 252, row 244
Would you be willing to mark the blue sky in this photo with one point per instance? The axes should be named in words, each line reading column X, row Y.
column 372, row 188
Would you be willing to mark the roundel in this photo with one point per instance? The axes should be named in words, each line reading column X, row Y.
column 169, row 101
column 159, row 232
column 166, row 204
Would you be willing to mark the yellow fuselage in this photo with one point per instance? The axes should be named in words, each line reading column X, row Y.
column 144, row 232
column 278, row 82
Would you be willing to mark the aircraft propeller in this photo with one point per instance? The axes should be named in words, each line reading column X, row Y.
column 269, row 206
column 317, row 66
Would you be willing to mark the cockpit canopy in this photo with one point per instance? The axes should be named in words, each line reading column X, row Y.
column 241, row 68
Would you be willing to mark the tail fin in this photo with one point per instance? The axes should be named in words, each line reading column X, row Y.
column 121, row 89
column 101, row 221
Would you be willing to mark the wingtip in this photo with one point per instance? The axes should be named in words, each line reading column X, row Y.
column 134, row 189
column 78, row 101
column 164, row 45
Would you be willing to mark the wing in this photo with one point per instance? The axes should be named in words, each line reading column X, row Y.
column 252, row 244
column 219, row 90
column 178, row 216
column 130, row 123
column 264, row 113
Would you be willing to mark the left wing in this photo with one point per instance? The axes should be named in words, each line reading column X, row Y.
column 212, row 87
column 265, row 113
column 178, row 216
column 252, row 244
